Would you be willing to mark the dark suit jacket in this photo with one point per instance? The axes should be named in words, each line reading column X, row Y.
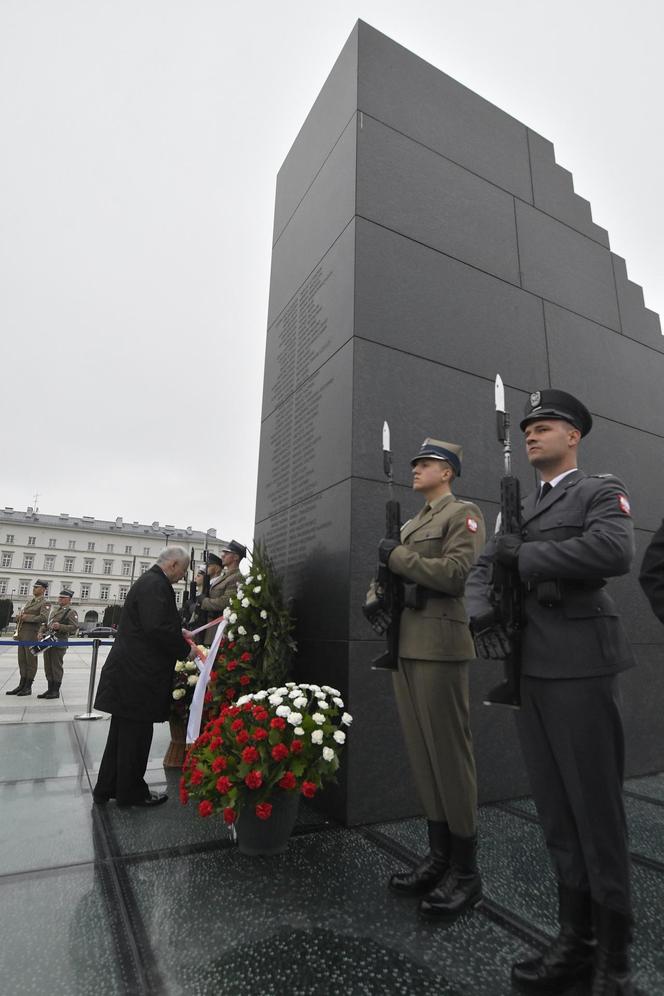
column 137, row 678
column 580, row 534
column 651, row 577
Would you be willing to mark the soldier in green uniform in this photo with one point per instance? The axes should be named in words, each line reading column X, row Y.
column 28, row 623
column 225, row 577
column 577, row 531
column 62, row 622
column 433, row 558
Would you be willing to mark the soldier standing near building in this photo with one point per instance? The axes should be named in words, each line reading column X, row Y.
column 28, row 623
column 225, row 577
column 577, row 531
column 433, row 558
column 62, row 622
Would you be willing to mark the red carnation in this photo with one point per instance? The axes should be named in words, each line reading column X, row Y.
column 229, row 815
column 296, row 746
column 213, row 675
column 264, row 810
column 278, row 723
column 230, row 693
column 247, row 707
column 279, row 752
column 205, row 808
column 230, row 646
column 184, row 796
column 196, row 777
column 223, row 784
column 207, row 698
column 253, row 780
column 260, row 713
column 245, row 657
column 216, row 743
column 219, row 764
column 249, row 755
column 237, row 724
column 309, row 789
column 231, row 665
column 289, row 781
column 259, row 733
column 242, row 737
column 244, row 679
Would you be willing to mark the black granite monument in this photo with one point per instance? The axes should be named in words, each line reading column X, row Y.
column 424, row 240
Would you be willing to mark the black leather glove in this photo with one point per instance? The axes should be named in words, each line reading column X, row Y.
column 385, row 548
column 491, row 639
column 507, row 550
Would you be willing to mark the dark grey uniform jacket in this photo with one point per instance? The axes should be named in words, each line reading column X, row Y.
column 581, row 533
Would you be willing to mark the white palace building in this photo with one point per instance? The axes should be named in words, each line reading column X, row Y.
column 98, row 559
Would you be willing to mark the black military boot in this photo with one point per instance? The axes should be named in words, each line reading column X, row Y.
column 570, row 957
column 53, row 691
column 462, row 886
column 613, row 931
column 27, row 687
column 431, row 868
column 18, row 689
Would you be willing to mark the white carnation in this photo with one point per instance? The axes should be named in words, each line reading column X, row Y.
column 256, row 638
column 242, row 631
column 282, row 690
column 328, row 754
column 283, row 710
column 226, row 613
column 301, row 702
column 243, row 699
column 339, row 736
column 230, row 634
column 232, row 618
column 257, row 589
column 338, row 702
column 263, row 613
column 248, row 579
column 295, row 718
column 245, row 603
column 318, row 718
column 346, row 719
column 275, row 699
column 178, row 693
column 298, row 731
column 291, row 684
column 192, row 679
column 330, row 690
column 180, row 666
column 239, row 592
column 259, row 696
column 317, row 737
column 293, row 693
column 323, row 704
column 259, row 577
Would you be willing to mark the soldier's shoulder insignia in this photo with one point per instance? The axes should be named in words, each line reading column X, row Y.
column 472, row 525
column 625, row 507
column 601, row 476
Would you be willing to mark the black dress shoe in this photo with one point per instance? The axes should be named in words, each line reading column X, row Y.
column 100, row 800
column 154, row 799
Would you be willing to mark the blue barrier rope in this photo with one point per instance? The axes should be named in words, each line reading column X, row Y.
column 60, row 643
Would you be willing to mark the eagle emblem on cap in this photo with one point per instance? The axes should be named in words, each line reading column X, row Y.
column 535, row 399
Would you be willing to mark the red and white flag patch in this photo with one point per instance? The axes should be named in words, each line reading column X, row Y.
column 472, row 524
column 623, row 501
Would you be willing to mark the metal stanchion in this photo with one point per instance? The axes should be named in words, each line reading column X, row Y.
column 91, row 714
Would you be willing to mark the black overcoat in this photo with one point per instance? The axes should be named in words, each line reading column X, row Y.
column 652, row 573
column 137, row 679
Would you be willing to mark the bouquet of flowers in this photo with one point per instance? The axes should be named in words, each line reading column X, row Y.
column 185, row 679
column 285, row 739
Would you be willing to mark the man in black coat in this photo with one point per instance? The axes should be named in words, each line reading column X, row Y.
column 577, row 531
column 137, row 679
column 651, row 577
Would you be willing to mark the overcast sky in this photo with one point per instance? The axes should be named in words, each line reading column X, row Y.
column 140, row 142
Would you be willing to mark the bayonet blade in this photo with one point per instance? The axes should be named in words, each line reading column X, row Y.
column 499, row 394
column 386, row 437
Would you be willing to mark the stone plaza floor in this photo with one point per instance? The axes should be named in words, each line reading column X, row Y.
column 105, row 901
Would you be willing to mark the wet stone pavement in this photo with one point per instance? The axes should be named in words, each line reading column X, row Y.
column 97, row 900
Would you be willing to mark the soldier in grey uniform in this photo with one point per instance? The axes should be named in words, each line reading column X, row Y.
column 577, row 531
column 433, row 558
column 28, row 623
column 225, row 577
column 62, row 622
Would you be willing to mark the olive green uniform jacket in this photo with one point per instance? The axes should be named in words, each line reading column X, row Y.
column 438, row 548
column 33, row 617
column 218, row 599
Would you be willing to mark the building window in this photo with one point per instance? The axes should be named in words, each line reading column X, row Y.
column 88, row 566
column 51, row 544
column 146, row 551
column 32, row 540
column 71, row 544
column 126, row 568
column 109, row 548
column 104, row 590
column 49, row 562
column 28, row 561
column 3, row 586
column 10, row 538
column 23, row 587
column 91, row 546
column 123, row 593
column 127, row 548
column 7, row 559
column 144, row 568
column 69, row 565
column 85, row 591
column 108, row 567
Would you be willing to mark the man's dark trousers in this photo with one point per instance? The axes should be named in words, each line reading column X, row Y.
column 122, row 768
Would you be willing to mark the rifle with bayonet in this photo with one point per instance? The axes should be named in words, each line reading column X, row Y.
column 497, row 633
column 384, row 599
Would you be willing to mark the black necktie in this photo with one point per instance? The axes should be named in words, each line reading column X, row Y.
column 546, row 487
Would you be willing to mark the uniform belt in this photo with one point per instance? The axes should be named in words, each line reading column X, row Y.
column 567, row 585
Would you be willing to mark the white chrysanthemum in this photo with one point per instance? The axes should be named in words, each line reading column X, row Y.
column 227, row 612
column 298, row 731
column 284, row 711
column 263, row 613
column 330, row 690
column 346, row 719
column 274, row 699
column 242, row 631
column 178, row 693
column 248, row 579
column 323, row 704
column 328, row 754
column 305, row 686
column 314, row 688
column 301, row 702
column 338, row 702
column 245, row 603
column 232, row 618
column 192, row 679
column 180, row 666
column 230, row 634
column 256, row 638
column 291, row 684
column 339, row 736
column 282, row 690
column 295, row 718
column 317, row 737
column 259, row 577
column 293, row 693
column 318, row 718
column 243, row 699
column 239, row 592
column 257, row 589
column 259, row 696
